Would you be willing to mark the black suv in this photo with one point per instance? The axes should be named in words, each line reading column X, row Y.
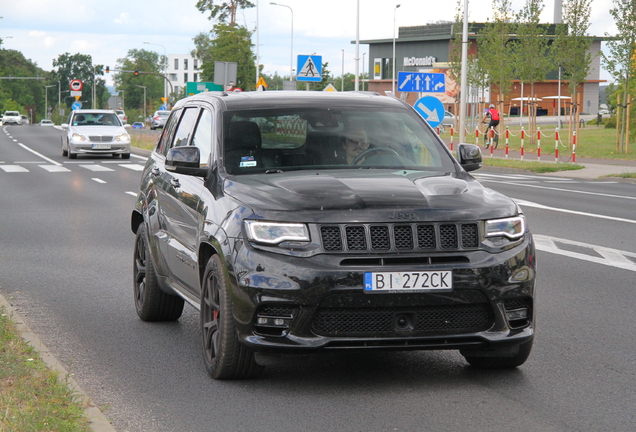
column 305, row 221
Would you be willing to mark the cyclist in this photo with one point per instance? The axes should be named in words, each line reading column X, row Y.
column 493, row 115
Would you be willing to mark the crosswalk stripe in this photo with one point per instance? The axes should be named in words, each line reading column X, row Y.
column 134, row 167
column 54, row 168
column 13, row 168
column 97, row 168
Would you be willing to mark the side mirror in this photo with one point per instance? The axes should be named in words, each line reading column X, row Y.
column 127, row 126
column 469, row 156
column 185, row 160
column 64, row 125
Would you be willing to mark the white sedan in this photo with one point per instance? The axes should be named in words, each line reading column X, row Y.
column 95, row 132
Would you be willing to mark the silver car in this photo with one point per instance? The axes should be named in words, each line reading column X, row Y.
column 95, row 132
column 159, row 119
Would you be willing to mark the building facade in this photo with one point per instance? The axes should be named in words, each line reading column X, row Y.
column 182, row 68
column 427, row 49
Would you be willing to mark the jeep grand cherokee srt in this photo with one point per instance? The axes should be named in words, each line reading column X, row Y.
column 345, row 224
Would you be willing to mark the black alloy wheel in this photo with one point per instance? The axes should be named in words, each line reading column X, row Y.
column 151, row 303
column 223, row 354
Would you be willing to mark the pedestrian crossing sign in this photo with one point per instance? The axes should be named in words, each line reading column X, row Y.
column 309, row 68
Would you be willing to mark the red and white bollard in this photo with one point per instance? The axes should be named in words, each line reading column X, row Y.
column 452, row 133
column 507, row 137
column 476, row 136
column 574, row 147
column 556, row 145
column 539, row 144
column 523, row 136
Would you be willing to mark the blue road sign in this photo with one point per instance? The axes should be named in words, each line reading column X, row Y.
column 421, row 82
column 431, row 109
column 309, row 68
column 164, row 107
column 76, row 106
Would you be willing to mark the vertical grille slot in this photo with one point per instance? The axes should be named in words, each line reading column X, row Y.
column 356, row 238
column 331, row 239
column 380, row 237
column 426, row 237
column 403, row 235
column 470, row 236
column 448, row 236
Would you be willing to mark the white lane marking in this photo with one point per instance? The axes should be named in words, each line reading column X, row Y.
column 13, row 168
column 572, row 191
column 524, row 203
column 39, row 154
column 97, row 168
column 134, row 167
column 98, row 180
column 55, row 168
column 608, row 257
column 131, row 193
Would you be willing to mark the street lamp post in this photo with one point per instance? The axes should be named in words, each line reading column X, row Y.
column 291, row 58
column 363, row 54
column 165, row 69
column 46, row 100
column 342, row 81
column 143, row 87
column 393, row 77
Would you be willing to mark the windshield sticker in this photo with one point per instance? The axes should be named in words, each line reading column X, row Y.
column 247, row 161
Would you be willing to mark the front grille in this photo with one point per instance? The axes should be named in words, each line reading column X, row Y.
column 368, row 322
column 100, row 138
column 399, row 237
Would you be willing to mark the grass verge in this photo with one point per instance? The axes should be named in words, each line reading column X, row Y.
column 33, row 397
column 537, row 167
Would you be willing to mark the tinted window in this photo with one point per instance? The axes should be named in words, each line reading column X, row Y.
column 305, row 138
column 182, row 134
column 167, row 133
column 203, row 136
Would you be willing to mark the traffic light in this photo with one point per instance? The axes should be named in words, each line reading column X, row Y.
column 107, row 69
column 136, row 72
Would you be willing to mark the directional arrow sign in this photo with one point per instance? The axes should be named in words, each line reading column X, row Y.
column 421, row 82
column 431, row 109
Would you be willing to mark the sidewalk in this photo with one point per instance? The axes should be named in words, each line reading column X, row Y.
column 593, row 168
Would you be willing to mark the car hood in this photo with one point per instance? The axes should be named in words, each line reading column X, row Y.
column 410, row 195
column 97, row 130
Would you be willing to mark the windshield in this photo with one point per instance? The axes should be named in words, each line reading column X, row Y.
column 96, row 119
column 274, row 140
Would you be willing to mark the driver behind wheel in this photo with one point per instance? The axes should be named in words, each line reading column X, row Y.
column 355, row 143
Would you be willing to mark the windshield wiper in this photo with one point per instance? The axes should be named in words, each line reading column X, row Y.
column 274, row 171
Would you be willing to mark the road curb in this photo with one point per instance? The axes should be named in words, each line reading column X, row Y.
column 97, row 420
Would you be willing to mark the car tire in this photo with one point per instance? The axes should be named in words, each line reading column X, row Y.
column 125, row 156
column 64, row 152
column 151, row 303
column 224, row 356
column 492, row 361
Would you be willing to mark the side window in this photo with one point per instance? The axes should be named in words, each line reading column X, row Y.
column 184, row 130
column 203, row 136
column 168, row 132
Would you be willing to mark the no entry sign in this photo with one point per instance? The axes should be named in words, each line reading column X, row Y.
column 76, row 85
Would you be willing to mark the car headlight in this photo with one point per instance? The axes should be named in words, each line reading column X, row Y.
column 513, row 227
column 78, row 137
column 122, row 137
column 276, row 232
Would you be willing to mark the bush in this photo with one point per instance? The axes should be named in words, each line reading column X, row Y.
column 610, row 122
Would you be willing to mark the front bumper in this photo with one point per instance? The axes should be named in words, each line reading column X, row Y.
column 87, row 148
column 290, row 304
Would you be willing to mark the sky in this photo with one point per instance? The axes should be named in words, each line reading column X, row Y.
column 44, row 29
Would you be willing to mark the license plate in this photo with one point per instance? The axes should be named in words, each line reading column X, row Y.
column 408, row 281
column 101, row 146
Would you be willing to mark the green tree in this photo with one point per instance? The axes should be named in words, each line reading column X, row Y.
column 571, row 47
column 223, row 10
column 621, row 61
column 531, row 52
column 227, row 43
column 495, row 49
column 148, row 64
column 81, row 67
column 27, row 94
